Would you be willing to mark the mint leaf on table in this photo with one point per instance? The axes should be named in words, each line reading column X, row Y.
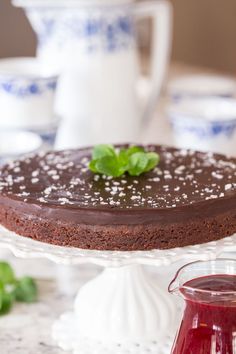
column 134, row 160
column 13, row 289
column 6, row 302
column 6, row 297
column 7, row 275
column 26, row 290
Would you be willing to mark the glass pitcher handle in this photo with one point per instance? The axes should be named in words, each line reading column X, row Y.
column 161, row 12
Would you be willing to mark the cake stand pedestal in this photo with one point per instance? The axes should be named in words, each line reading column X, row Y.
column 121, row 310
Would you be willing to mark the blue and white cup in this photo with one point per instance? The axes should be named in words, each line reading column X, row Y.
column 205, row 124
column 202, row 85
column 27, row 97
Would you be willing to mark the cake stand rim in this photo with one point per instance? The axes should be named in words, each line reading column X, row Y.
column 24, row 247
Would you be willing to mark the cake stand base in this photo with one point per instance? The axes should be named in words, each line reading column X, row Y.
column 70, row 341
column 122, row 310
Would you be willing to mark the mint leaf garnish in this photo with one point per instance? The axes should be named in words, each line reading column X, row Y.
column 134, row 160
column 13, row 289
column 137, row 163
column 123, row 158
column 92, row 166
column 153, row 161
column 103, row 150
column 109, row 166
column 133, row 149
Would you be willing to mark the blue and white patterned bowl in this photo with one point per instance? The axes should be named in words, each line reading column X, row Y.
column 26, row 95
column 207, row 124
column 22, row 78
column 201, row 85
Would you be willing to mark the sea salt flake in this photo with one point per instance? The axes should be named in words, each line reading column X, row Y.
column 134, row 197
column 17, row 179
column 47, row 190
column 189, row 177
column 211, row 197
column 208, row 190
column 155, row 179
column 34, row 180
column 42, row 200
column 52, row 172
column 229, row 186
column 116, row 183
column 217, row 175
column 35, row 173
column 64, row 201
column 24, row 194
column 179, row 170
column 122, row 194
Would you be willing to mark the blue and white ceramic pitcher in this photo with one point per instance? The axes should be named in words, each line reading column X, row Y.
column 93, row 44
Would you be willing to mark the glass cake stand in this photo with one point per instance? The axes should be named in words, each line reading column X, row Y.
column 121, row 310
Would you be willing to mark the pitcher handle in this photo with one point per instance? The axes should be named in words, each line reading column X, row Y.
column 161, row 12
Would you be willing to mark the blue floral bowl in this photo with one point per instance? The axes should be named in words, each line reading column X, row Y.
column 207, row 124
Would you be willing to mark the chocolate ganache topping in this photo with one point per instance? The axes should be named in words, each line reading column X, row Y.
column 59, row 186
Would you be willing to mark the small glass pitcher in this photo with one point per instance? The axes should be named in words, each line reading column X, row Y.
column 209, row 321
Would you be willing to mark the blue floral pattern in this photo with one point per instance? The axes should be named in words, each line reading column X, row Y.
column 205, row 131
column 109, row 31
column 24, row 88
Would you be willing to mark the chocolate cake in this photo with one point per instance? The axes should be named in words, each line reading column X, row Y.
column 189, row 198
